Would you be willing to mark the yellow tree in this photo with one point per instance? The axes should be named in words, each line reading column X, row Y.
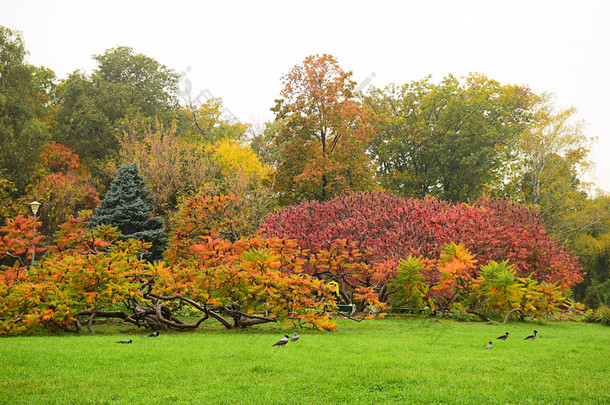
column 326, row 132
column 243, row 174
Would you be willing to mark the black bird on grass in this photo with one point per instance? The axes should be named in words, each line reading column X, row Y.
column 294, row 337
column 154, row 334
column 490, row 346
column 281, row 342
column 125, row 341
column 532, row 336
column 503, row 337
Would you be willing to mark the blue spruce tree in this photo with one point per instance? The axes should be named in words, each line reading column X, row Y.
column 128, row 206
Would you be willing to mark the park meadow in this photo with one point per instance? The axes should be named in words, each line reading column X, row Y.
column 394, row 360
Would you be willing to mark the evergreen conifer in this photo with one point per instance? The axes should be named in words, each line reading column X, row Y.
column 128, row 206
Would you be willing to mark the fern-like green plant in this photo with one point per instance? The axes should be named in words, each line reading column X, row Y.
column 409, row 287
column 499, row 287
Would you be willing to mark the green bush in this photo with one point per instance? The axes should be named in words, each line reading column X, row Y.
column 603, row 315
column 600, row 315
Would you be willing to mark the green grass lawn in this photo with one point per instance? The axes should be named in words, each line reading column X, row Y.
column 374, row 362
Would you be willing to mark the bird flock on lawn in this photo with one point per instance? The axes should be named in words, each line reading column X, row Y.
column 282, row 342
column 295, row 337
column 152, row 335
column 490, row 345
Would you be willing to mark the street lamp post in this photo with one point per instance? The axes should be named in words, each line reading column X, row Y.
column 34, row 205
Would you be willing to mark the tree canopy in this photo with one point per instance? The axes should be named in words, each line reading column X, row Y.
column 24, row 109
column 326, row 129
column 448, row 140
column 92, row 109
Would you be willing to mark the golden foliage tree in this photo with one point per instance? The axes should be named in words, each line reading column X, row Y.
column 326, row 132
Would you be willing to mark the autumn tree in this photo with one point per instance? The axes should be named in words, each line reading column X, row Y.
column 502, row 292
column 457, row 270
column 448, row 140
column 202, row 246
column 408, row 287
column 63, row 186
column 85, row 273
column 17, row 243
column 499, row 286
column 245, row 283
column 451, row 285
column 241, row 173
column 179, row 165
column 128, row 206
column 220, row 161
column 91, row 275
column 237, row 169
column 173, row 167
column 326, row 132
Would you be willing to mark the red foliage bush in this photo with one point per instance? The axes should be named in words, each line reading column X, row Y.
column 388, row 228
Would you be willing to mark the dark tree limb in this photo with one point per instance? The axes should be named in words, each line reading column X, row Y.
column 483, row 317
column 179, row 297
column 90, row 322
column 220, row 319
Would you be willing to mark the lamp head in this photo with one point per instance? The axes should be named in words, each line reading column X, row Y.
column 34, row 205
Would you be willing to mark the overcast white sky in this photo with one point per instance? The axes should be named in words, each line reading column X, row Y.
column 238, row 50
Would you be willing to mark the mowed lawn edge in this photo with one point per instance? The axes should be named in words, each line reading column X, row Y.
column 373, row 362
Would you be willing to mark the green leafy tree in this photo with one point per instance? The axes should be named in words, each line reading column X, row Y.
column 9, row 207
column 124, row 85
column 448, row 140
column 128, row 206
column 203, row 123
column 263, row 142
column 325, row 134
column 24, row 106
column 501, row 291
column 592, row 245
column 549, row 156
